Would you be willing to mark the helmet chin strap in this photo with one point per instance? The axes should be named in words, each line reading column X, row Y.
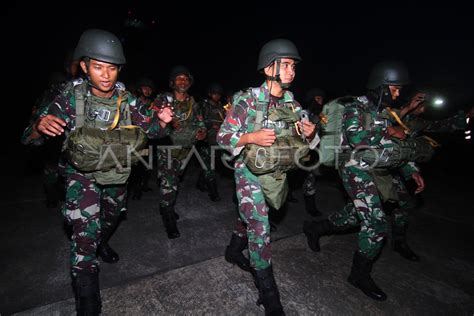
column 277, row 77
column 385, row 97
column 91, row 84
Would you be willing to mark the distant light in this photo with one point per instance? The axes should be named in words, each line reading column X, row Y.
column 438, row 102
column 467, row 132
column 467, row 120
column 467, row 137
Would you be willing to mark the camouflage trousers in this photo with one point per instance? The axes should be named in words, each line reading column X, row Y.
column 253, row 221
column 169, row 172
column 366, row 209
column 93, row 212
column 204, row 150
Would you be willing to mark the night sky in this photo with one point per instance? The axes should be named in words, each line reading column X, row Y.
column 338, row 44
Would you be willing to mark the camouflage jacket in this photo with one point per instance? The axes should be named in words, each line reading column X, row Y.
column 186, row 113
column 213, row 113
column 241, row 117
column 64, row 107
column 363, row 126
column 39, row 110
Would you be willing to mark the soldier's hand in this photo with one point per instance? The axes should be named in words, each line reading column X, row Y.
column 418, row 99
column 165, row 114
column 201, row 134
column 309, row 128
column 420, row 182
column 50, row 125
column 396, row 132
column 263, row 137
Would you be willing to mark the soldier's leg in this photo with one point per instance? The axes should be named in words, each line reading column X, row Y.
column 337, row 221
column 254, row 214
column 112, row 204
column 238, row 242
column 309, row 192
column 361, row 188
column 209, row 174
column 82, row 209
column 168, row 177
column 399, row 221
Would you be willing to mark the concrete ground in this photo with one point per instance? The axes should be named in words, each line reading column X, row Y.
column 190, row 276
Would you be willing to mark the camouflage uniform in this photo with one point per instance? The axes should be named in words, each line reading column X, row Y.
column 187, row 121
column 213, row 115
column 93, row 209
column 359, row 180
column 253, row 210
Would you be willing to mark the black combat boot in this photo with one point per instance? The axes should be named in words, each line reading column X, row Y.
column 211, row 185
column 268, row 293
column 315, row 229
column 104, row 251
column 169, row 220
column 310, row 204
column 87, row 293
column 234, row 255
column 400, row 245
column 361, row 279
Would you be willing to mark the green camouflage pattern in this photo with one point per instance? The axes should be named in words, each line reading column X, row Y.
column 93, row 209
column 363, row 126
column 253, row 210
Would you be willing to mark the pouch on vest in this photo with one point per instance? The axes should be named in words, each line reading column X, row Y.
column 106, row 153
column 284, row 153
column 331, row 132
column 383, row 180
column 275, row 188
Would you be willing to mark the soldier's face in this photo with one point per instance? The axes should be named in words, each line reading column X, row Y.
column 287, row 70
column 182, row 83
column 215, row 96
column 146, row 91
column 103, row 75
column 395, row 91
column 319, row 99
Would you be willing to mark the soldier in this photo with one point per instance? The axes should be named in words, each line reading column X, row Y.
column 213, row 113
column 365, row 125
column 187, row 127
column 94, row 199
column 315, row 99
column 277, row 61
column 141, row 172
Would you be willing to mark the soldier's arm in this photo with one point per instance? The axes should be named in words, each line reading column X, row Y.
column 233, row 128
column 147, row 118
column 357, row 135
column 30, row 135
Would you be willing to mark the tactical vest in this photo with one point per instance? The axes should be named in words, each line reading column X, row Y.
column 271, row 163
column 417, row 149
column 103, row 141
column 185, row 135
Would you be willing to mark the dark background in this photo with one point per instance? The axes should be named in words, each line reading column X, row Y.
column 220, row 42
